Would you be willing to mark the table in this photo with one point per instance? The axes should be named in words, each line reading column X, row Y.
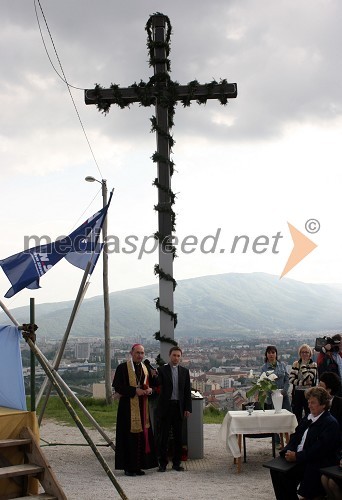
column 237, row 423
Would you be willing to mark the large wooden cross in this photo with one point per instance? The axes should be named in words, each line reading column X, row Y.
column 161, row 92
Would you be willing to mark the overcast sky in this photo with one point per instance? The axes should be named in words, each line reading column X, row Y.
column 271, row 156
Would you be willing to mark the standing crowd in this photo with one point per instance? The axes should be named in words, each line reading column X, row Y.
column 316, row 443
column 163, row 396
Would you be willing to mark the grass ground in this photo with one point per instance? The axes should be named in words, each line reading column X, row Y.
column 105, row 415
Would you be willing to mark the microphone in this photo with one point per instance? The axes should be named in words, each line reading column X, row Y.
column 151, row 368
column 148, row 364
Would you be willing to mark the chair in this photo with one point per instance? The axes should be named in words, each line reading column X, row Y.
column 258, row 436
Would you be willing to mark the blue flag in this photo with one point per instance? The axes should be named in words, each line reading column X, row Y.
column 82, row 246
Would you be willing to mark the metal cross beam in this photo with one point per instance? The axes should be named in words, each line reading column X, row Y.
column 130, row 94
column 160, row 91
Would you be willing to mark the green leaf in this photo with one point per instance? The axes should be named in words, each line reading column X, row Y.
column 262, row 399
column 252, row 391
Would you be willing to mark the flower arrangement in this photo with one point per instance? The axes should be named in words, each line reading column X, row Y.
column 262, row 386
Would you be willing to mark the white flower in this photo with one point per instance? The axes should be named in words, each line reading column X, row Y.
column 263, row 386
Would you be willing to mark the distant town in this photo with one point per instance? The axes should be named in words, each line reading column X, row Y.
column 219, row 368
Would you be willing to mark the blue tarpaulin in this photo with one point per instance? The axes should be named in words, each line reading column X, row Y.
column 12, row 388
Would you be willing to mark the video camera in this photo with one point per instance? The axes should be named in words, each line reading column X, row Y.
column 321, row 342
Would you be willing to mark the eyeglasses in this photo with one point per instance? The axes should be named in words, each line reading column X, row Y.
column 304, row 352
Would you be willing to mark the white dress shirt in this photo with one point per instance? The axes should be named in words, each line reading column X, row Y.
column 313, row 419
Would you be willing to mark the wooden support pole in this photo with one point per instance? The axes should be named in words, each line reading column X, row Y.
column 32, row 361
column 75, row 417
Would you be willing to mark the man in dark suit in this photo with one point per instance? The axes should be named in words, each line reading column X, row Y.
column 174, row 404
column 315, row 444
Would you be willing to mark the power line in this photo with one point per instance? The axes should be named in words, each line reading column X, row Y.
column 63, row 78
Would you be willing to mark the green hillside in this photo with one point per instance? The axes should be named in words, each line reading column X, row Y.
column 207, row 306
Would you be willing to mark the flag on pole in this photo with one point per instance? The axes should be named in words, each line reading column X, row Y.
column 24, row 269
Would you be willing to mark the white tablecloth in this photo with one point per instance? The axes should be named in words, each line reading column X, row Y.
column 260, row 422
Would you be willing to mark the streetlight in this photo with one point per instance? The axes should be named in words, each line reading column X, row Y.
column 108, row 373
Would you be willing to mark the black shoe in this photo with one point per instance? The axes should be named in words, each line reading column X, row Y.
column 162, row 468
column 130, row 473
column 139, row 472
column 178, row 468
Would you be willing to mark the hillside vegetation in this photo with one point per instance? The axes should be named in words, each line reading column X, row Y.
column 209, row 306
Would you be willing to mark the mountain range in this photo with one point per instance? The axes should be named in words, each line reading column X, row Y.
column 209, row 306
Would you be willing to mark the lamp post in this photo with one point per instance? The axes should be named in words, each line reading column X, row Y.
column 108, row 372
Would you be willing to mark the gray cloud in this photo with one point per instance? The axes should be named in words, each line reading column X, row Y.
column 283, row 56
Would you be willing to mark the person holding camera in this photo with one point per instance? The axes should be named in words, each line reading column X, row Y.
column 330, row 356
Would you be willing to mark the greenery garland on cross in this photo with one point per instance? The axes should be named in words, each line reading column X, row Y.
column 163, row 93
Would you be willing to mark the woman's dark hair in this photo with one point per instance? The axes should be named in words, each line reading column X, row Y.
column 332, row 381
column 271, row 348
column 322, row 396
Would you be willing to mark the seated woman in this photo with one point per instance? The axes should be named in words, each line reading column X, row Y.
column 302, row 376
column 316, row 443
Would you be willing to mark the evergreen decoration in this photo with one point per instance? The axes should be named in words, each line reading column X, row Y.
column 102, row 105
column 165, row 243
column 166, row 310
column 118, row 96
column 165, row 190
column 142, row 90
column 160, row 361
column 166, row 208
column 164, row 276
column 156, row 128
column 157, row 157
column 162, row 338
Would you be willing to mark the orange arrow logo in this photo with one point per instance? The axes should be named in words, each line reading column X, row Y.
column 302, row 246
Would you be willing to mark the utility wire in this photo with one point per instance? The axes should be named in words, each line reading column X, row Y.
column 64, row 77
column 86, row 209
column 46, row 49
